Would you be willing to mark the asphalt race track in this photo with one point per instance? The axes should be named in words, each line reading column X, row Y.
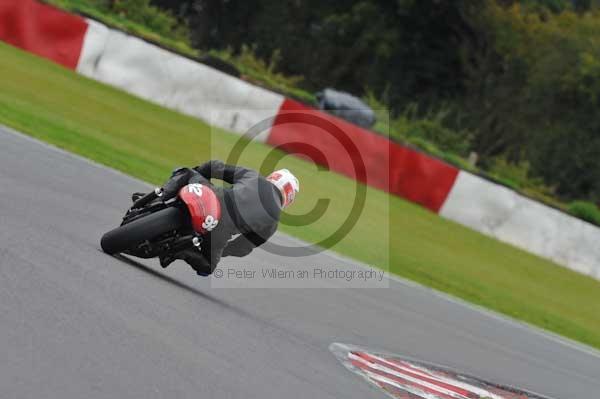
column 76, row 323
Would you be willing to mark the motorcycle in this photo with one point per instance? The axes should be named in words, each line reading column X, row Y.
column 156, row 227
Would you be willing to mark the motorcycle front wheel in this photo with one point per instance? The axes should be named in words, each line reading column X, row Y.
column 146, row 228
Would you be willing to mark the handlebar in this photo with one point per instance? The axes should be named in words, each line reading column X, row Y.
column 148, row 198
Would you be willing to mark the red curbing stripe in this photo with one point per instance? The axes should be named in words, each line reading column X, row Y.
column 401, row 381
column 399, row 393
column 362, row 155
column 43, row 30
column 431, row 380
column 410, row 366
column 477, row 391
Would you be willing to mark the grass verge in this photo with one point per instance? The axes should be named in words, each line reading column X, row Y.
column 147, row 141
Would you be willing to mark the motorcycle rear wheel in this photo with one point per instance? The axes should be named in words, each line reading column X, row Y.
column 136, row 232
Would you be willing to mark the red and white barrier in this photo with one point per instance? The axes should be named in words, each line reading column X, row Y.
column 173, row 81
column 42, row 30
column 502, row 213
column 179, row 83
column 387, row 165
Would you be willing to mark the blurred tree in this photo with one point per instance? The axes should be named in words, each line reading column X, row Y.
column 534, row 95
column 522, row 75
column 402, row 46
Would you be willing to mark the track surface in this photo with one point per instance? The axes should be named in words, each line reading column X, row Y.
column 75, row 323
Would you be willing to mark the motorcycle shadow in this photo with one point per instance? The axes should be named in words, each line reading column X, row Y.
column 189, row 288
column 227, row 306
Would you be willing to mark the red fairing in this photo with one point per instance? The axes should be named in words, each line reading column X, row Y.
column 203, row 205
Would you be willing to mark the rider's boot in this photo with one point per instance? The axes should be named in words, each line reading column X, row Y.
column 192, row 257
column 166, row 260
column 197, row 261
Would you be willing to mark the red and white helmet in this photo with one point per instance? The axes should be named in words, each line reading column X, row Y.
column 287, row 184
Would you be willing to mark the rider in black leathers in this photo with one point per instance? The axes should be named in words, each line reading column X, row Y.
column 250, row 206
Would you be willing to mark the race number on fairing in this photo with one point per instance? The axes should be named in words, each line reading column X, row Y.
column 195, row 189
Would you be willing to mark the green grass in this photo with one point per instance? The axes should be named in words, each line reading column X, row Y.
column 146, row 141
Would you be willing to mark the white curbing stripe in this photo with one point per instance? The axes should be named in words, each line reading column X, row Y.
column 94, row 43
column 176, row 82
column 503, row 214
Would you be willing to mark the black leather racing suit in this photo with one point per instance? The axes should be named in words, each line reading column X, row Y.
column 250, row 207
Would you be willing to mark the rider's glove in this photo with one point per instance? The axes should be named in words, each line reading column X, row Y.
column 179, row 178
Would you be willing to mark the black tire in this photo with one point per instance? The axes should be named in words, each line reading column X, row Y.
column 132, row 234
